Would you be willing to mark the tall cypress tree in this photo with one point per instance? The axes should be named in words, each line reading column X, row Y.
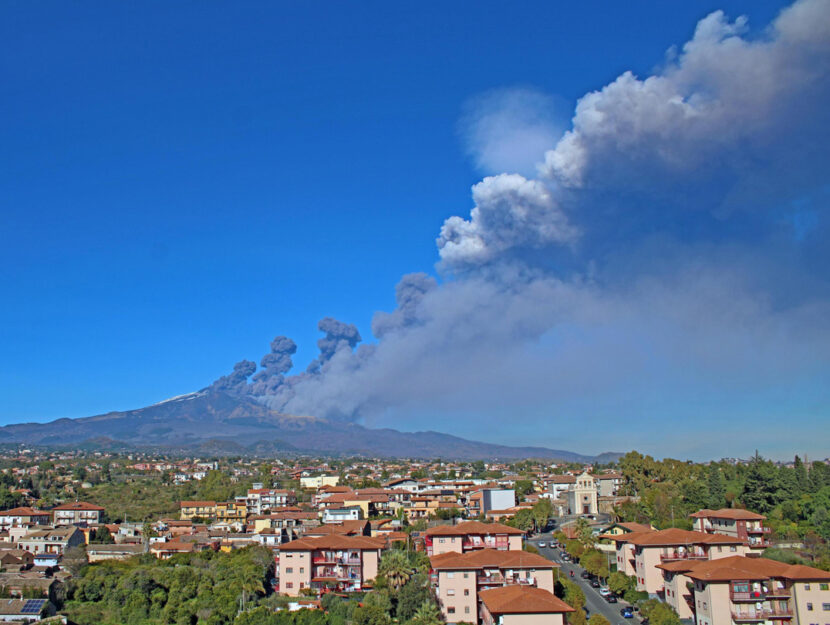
column 801, row 478
column 717, row 488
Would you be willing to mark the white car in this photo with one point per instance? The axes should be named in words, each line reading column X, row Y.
column 604, row 591
column 541, row 543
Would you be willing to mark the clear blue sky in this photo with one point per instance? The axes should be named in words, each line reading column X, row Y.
column 180, row 182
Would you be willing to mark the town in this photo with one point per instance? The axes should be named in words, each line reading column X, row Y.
column 96, row 537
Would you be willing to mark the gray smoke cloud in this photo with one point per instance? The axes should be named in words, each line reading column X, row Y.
column 237, row 381
column 668, row 263
column 274, row 364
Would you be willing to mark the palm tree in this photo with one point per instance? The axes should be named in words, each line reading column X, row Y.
column 395, row 567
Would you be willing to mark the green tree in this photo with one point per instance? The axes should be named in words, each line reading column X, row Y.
column 414, row 593
column 101, row 536
column 427, row 614
column 802, row 480
column 717, row 487
column 759, row 492
column 659, row 613
column 598, row 619
column 395, row 568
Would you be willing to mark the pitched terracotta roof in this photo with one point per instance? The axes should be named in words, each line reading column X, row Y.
column 516, row 599
column 24, row 511
column 673, row 537
column 736, row 514
column 196, row 504
column 482, row 558
column 334, row 541
column 78, row 505
column 744, row 568
column 473, row 528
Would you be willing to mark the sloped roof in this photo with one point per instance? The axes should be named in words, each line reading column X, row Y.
column 483, row 558
column 736, row 514
column 474, row 528
column 334, row 541
column 516, row 599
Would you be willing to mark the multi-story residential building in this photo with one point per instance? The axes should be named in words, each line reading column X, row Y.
column 738, row 589
column 582, row 495
column 743, row 524
column 317, row 481
column 472, row 535
column 197, row 509
column 341, row 563
column 77, row 513
column 262, row 500
column 52, row 541
column 230, row 511
column 558, row 485
column 458, row 578
column 24, row 517
column 485, row 499
column 640, row 553
column 609, row 484
column 522, row 605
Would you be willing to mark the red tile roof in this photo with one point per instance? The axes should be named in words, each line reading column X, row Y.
column 736, row 514
column 475, row 528
column 481, row 558
column 334, row 541
column 78, row 505
column 517, row 599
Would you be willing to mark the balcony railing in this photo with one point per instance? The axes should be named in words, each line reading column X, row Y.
column 752, row 596
column 762, row 614
column 684, row 555
column 758, row 530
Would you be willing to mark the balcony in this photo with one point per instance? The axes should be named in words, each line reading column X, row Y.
column 682, row 555
column 758, row 530
column 752, row 596
column 761, row 615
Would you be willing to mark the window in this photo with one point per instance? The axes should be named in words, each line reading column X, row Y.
column 451, row 575
column 825, row 607
column 466, row 609
column 289, row 569
column 466, row 575
column 824, row 586
column 466, row 592
column 289, row 584
column 733, row 548
column 441, row 540
column 450, row 610
column 809, row 607
column 302, row 569
column 806, row 586
column 450, row 592
column 720, row 549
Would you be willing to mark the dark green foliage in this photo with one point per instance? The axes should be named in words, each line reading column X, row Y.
column 206, row 586
column 412, row 596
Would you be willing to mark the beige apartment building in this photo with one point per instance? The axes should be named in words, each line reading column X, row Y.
column 459, row 578
column 77, row 513
column 340, row 563
column 641, row 553
column 757, row 590
column 472, row 535
column 743, row 524
column 522, row 605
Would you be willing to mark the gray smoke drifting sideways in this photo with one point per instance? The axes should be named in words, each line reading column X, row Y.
column 674, row 239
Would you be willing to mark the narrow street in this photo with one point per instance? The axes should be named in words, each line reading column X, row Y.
column 593, row 600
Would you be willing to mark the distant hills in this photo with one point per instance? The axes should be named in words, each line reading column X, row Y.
column 215, row 423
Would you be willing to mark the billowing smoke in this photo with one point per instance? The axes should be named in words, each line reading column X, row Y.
column 236, row 381
column 274, row 364
column 669, row 262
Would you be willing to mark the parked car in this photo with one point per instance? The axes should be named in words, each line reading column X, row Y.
column 585, row 575
column 541, row 543
column 612, row 598
column 627, row 612
column 566, row 557
column 605, row 591
column 594, row 583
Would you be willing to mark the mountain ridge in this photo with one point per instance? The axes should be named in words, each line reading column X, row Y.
column 210, row 421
